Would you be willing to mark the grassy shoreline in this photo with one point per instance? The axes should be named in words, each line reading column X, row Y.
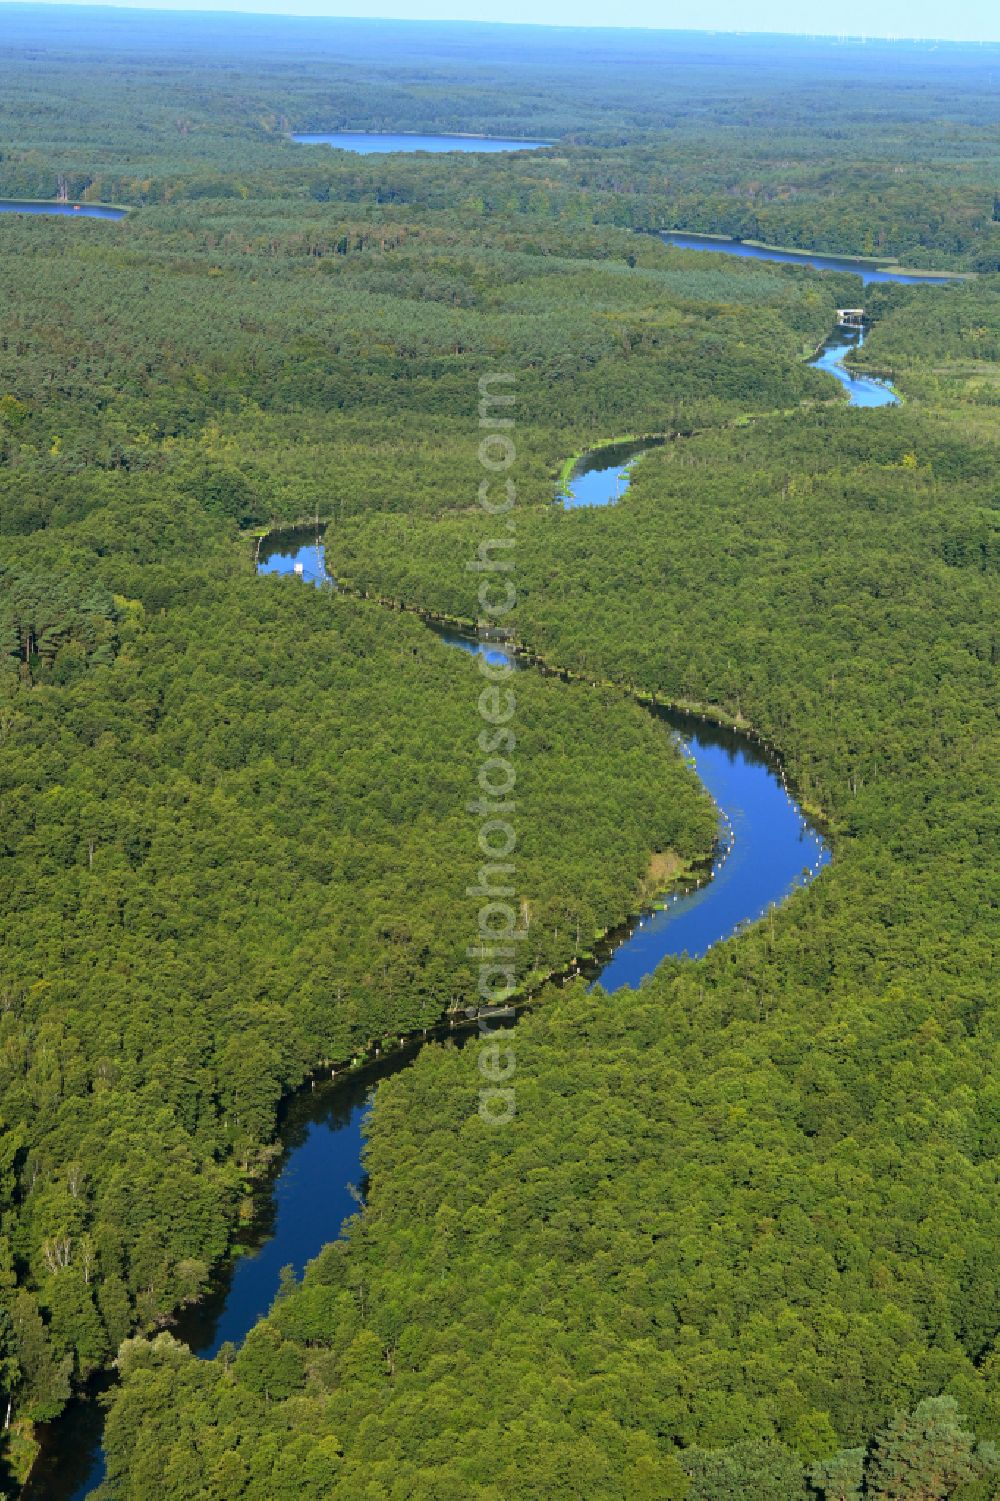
column 875, row 262
column 569, row 465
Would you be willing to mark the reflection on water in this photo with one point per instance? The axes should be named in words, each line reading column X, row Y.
column 766, row 845
column 602, row 477
column 495, row 654
column 766, row 848
column 300, row 552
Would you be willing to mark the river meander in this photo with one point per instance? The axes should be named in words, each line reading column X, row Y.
column 766, row 848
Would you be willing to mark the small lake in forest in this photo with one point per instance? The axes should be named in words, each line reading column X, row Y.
column 869, row 271
column 366, row 142
column 66, row 210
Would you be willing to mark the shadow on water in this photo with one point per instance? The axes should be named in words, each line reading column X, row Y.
column 766, row 848
column 299, row 551
column 70, row 1460
column 315, row 1184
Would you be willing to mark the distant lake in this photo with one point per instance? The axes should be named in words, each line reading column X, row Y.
column 868, row 270
column 72, row 210
column 367, row 142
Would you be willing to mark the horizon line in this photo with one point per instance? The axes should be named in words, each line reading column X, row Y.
column 238, row 12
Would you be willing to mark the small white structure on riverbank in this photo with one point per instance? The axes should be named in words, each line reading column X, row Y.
column 851, row 317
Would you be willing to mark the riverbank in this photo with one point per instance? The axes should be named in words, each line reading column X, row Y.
column 525, row 656
column 443, row 135
column 607, row 446
column 709, row 714
column 863, row 387
column 387, row 143
column 572, row 468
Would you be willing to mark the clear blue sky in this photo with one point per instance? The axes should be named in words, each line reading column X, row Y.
column 962, row 20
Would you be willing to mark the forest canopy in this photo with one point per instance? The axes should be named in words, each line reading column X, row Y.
column 741, row 1236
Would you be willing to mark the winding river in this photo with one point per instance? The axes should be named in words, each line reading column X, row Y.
column 766, row 848
column 602, row 476
column 862, row 390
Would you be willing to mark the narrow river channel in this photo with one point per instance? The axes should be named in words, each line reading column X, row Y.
column 869, row 270
column 766, row 849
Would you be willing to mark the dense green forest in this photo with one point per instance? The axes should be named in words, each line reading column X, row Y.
column 740, row 1239
column 301, row 364
column 860, row 147
column 755, row 1200
column 222, row 800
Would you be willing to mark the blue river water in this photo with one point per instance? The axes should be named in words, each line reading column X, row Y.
column 317, row 1186
column 294, row 552
column 367, row 142
column 867, row 270
column 66, row 210
column 602, row 477
column 863, row 390
column 766, row 848
column 766, row 845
